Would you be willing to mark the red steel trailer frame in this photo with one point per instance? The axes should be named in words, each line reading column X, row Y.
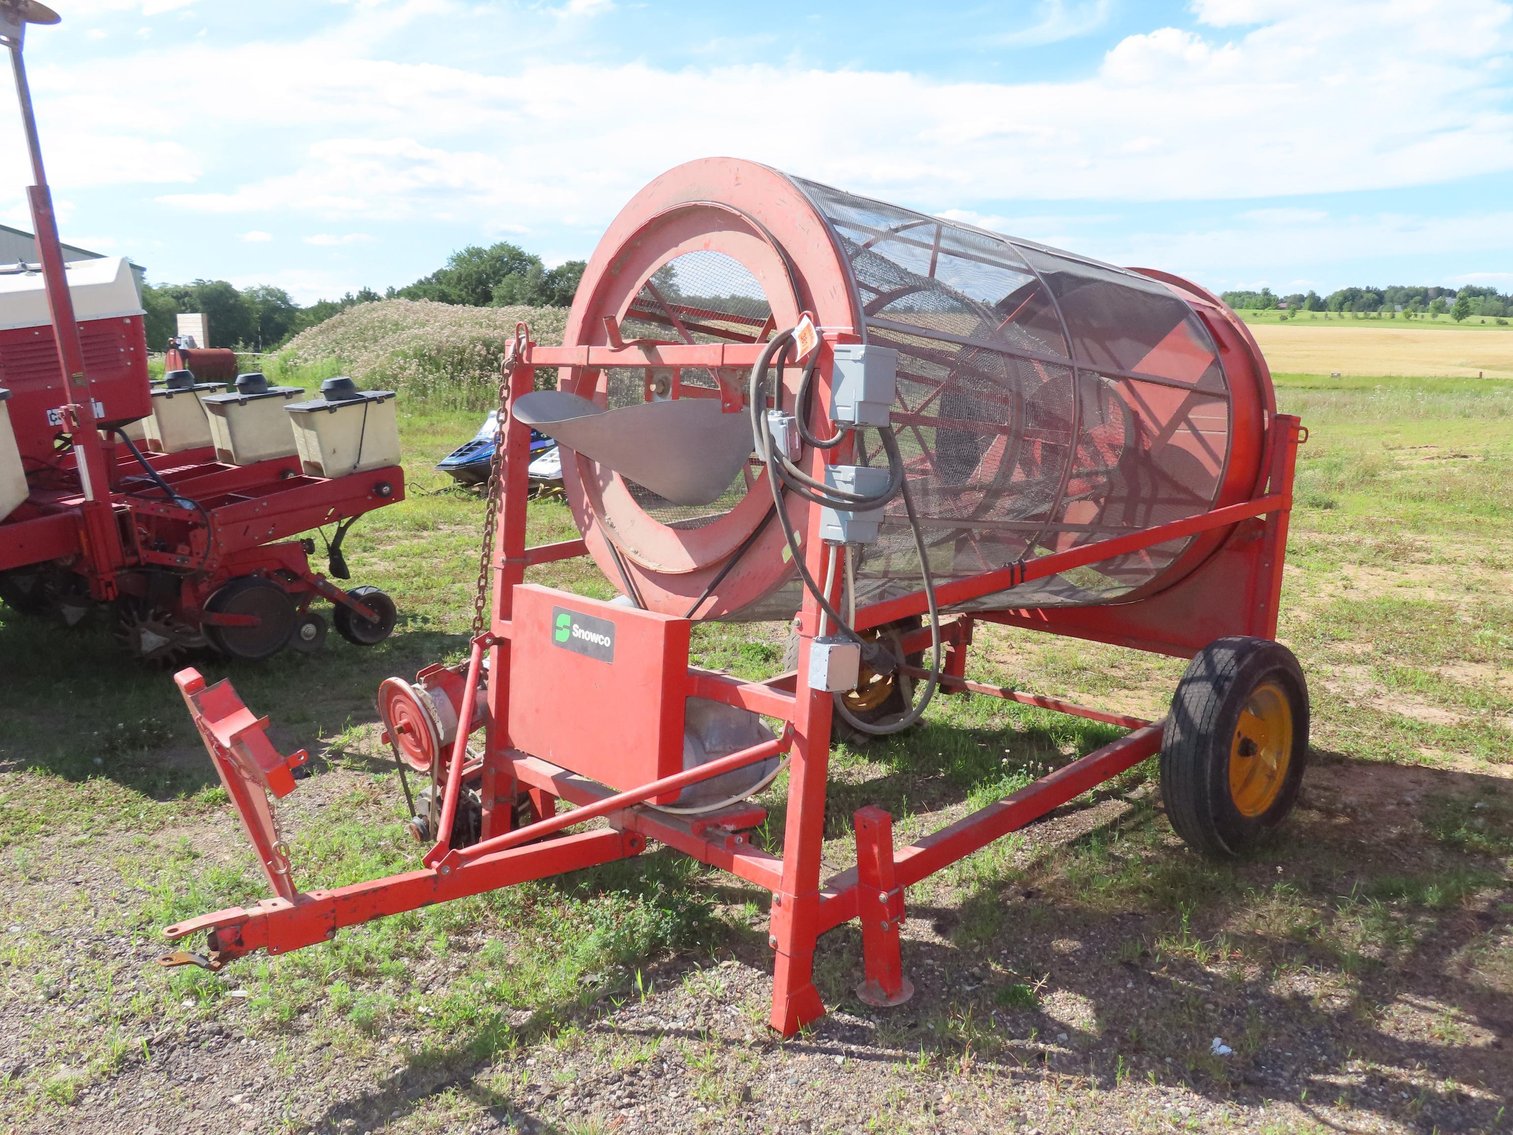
column 1235, row 591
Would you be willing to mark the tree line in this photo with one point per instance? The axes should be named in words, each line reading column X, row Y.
column 1409, row 301
column 263, row 317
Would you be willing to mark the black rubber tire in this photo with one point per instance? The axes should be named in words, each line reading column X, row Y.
column 1202, row 738
column 366, row 632
column 252, row 595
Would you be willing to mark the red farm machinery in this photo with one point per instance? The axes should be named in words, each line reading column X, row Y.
column 776, row 400
column 178, row 506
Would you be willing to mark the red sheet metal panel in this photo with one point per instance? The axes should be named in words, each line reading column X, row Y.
column 597, row 688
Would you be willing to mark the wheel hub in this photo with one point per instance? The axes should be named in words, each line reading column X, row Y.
column 1262, row 750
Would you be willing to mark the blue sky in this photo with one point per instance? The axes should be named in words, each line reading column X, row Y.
column 326, row 146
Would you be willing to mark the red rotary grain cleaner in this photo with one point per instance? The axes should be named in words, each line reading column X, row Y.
column 779, row 400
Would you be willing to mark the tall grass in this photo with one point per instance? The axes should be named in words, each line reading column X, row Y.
column 445, row 356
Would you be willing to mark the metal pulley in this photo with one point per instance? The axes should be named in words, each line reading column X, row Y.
column 420, row 717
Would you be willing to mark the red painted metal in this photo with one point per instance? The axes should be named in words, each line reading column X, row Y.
column 804, row 904
column 629, row 739
column 207, row 364
column 880, row 910
column 597, row 732
column 99, row 533
column 249, row 767
column 283, row 924
column 651, row 790
column 93, row 512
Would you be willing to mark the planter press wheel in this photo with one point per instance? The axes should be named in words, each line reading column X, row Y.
column 1235, row 744
column 366, row 632
column 261, row 598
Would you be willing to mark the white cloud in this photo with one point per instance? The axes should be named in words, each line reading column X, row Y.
column 304, row 285
column 582, row 8
column 1275, row 217
column 402, row 111
column 1229, row 13
column 1350, row 245
column 1502, row 281
column 88, row 10
column 1171, row 114
column 1059, row 20
column 256, row 236
column 339, row 238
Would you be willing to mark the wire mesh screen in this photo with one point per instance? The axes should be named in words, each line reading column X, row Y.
column 698, row 297
column 1043, row 402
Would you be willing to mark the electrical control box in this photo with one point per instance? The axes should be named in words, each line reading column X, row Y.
column 834, row 664
column 863, row 384
column 851, row 526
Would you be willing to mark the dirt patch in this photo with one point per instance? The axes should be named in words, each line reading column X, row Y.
column 1094, row 1009
column 1479, row 675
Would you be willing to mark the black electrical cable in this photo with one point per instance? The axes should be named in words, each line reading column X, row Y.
column 152, row 474
column 784, row 474
column 803, row 403
column 910, row 717
column 757, row 402
column 181, row 501
column 794, row 478
column 731, row 561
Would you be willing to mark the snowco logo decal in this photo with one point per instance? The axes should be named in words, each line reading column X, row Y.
column 583, row 634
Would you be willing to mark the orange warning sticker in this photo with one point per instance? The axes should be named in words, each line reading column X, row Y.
column 805, row 337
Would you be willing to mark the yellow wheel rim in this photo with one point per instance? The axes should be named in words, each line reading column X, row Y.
column 872, row 689
column 1261, row 751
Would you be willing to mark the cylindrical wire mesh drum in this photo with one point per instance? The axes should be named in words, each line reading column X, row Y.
column 1044, row 400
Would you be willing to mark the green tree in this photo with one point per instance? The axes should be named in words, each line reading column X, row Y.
column 472, row 274
column 520, row 287
column 272, row 314
column 561, row 283
column 226, row 311
column 1462, row 309
column 161, row 306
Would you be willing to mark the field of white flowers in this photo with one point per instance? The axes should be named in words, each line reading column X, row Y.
column 449, row 357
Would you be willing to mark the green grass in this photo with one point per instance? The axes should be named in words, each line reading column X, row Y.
column 1391, row 601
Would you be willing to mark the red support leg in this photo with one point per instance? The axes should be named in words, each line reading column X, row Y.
column 880, row 907
column 796, row 905
column 795, row 908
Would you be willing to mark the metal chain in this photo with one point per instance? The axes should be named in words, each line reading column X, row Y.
column 491, row 507
column 279, row 852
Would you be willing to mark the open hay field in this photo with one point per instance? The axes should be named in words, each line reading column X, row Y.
column 1087, row 975
column 1368, row 348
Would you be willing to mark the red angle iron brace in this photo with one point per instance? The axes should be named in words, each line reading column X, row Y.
column 765, row 381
